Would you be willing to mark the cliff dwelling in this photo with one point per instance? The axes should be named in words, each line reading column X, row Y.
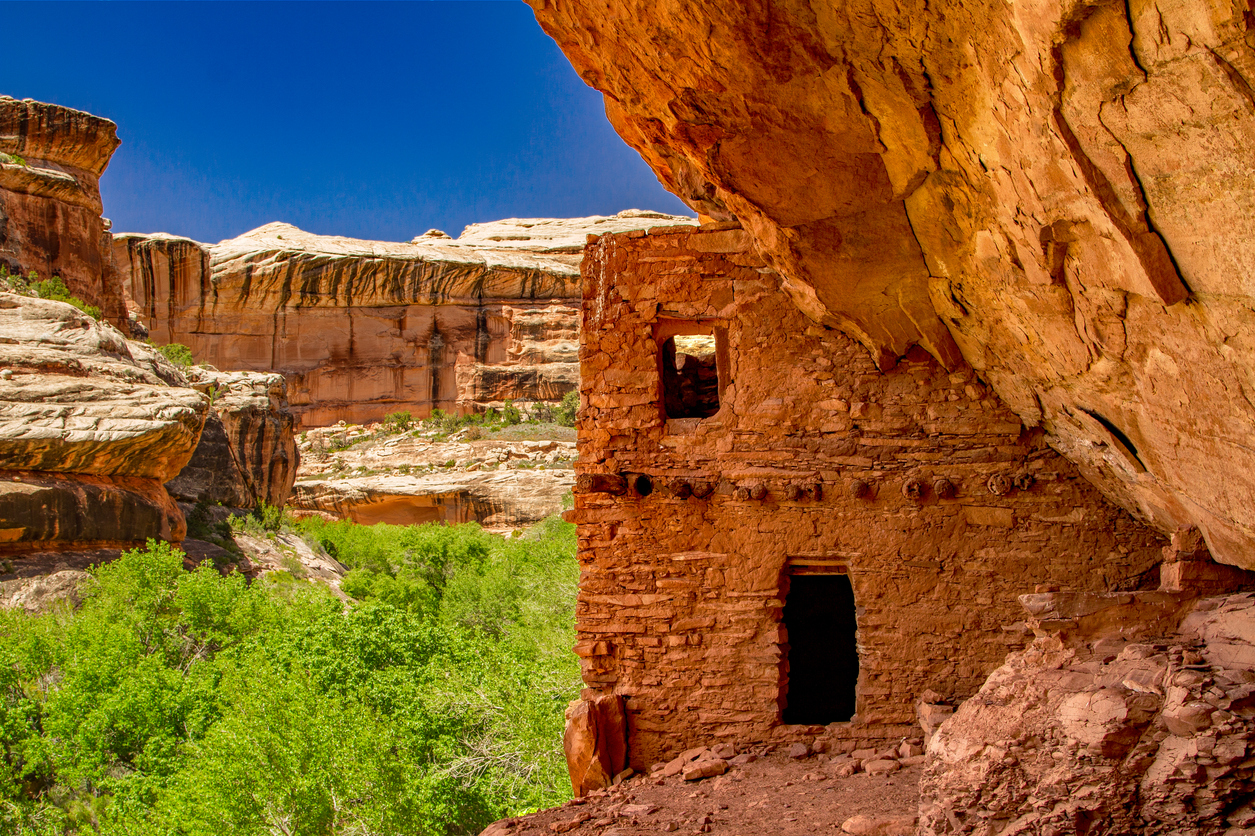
column 779, row 539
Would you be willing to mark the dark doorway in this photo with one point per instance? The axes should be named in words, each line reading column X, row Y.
column 823, row 655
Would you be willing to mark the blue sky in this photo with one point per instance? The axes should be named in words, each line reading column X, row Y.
column 369, row 119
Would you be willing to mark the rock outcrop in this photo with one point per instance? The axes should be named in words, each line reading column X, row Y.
column 91, row 426
column 1060, row 193
column 51, row 159
column 364, row 328
column 247, row 451
column 506, row 499
column 1149, row 732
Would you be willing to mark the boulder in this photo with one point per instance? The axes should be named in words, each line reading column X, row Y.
column 595, row 742
column 91, row 426
column 705, row 768
column 1132, row 734
column 81, row 398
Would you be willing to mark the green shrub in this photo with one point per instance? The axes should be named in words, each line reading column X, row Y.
column 399, row 421
column 53, row 289
column 262, row 520
column 510, row 414
column 566, row 412
column 176, row 702
column 177, row 353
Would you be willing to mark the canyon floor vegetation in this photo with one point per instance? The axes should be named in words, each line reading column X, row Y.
column 191, row 703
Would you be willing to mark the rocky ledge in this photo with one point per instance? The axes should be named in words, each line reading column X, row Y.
column 51, row 159
column 91, row 427
column 376, row 474
column 1059, row 194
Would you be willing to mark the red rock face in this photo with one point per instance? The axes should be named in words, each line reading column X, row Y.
column 1145, row 730
column 51, row 159
column 916, row 486
column 1059, row 194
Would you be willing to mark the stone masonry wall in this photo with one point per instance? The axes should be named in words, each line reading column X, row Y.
column 680, row 599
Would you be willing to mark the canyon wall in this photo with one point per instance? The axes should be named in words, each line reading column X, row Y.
column 51, row 159
column 364, row 328
column 1058, row 194
column 713, row 484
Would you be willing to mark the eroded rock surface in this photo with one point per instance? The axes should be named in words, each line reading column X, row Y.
column 364, row 328
column 1061, row 193
column 1098, row 734
column 378, row 474
column 497, row 500
column 247, row 452
column 91, row 426
column 51, row 159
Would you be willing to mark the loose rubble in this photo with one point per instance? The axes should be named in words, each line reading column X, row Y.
column 745, row 790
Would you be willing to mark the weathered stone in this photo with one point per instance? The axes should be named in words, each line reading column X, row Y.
column 43, row 511
column 496, row 499
column 910, row 750
column 865, row 825
column 51, row 159
column 83, row 399
column 881, row 767
column 595, row 742
column 1137, row 760
column 705, row 768
column 247, row 451
column 91, row 425
column 42, row 592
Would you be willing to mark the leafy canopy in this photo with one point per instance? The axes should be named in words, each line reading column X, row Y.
column 186, row 703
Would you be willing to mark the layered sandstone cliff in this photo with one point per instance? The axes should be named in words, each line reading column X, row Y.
column 364, row 328
column 412, row 476
column 51, row 159
column 91, row 427
column 247, row 451
column 1058, row 192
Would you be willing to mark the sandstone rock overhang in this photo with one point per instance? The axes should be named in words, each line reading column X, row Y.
column 364, row 328
column 1059, row 193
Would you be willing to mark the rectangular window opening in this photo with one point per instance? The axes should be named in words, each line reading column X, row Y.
column 690, row 373
column 822, row 658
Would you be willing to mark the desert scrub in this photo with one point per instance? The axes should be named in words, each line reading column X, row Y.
column 176, row 702
column 566, row 412
column 177, row 353
column 53, row 289
column 398, row 422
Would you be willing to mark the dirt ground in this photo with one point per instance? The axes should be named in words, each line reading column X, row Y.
column 773, row 795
